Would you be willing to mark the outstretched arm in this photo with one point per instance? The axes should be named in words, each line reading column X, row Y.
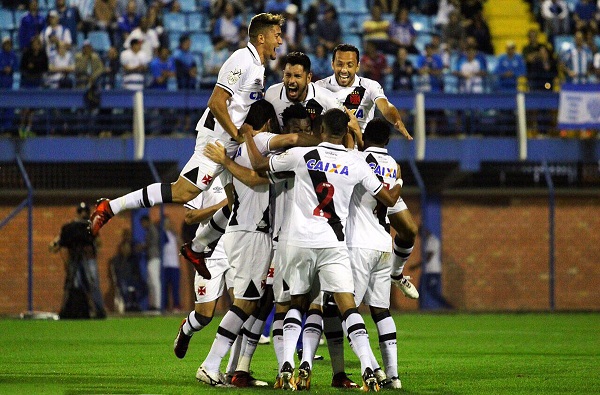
column 259, row 162
column 390, row 197
column 194, row 216
column 390, row 112
column 249, row 177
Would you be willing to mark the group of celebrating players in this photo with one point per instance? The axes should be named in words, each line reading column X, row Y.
column 295, row 193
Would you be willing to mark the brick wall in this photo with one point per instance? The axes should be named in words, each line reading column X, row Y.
column 495, row 254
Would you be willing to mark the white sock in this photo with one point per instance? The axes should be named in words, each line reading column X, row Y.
column 334, row 333
column 359, row 337
column 215, row 229
column 278, row 337
column 234, row 355
column 400, row 256
column 251, row 337
column 145, row 197
column 313, row 327
column 194, row 323
column 386, row 327
column 292, row 328
column 230, row 327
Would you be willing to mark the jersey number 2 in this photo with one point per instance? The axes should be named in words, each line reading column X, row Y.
column 325, row 195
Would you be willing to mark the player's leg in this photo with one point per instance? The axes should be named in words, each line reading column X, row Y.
column 406, row 229
column 386, row 328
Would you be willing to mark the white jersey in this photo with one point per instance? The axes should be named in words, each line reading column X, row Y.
column 359, row 98
column 368, row 224
column 325, row 177
column 317, row 101
column 242, row 76
column 213, row 195
column 283, row 191
column 251, row 209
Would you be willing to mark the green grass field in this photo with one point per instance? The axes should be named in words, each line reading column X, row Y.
column 438, row 354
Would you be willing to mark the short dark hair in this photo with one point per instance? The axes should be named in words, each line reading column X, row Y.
column 298, row 58
column 377, row 131
column 184, row 38
column 345, row 48
column 260, row 22
column 335, row 122
column 295, row 111
column 260, row 112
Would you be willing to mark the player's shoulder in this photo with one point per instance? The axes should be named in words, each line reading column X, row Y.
column 323, row 83
column 273, row 92
column 369, row 83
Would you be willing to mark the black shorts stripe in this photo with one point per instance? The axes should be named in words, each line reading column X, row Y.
column 387, row 337
column 319, row 181
column 145, row 199
column 210, row 122
column 236, row 204
column 356, row 327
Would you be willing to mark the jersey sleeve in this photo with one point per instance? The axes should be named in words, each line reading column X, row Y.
column 368, row 179
column 286, row 161
column 375, row 91
column 262, row 141
column 232, row 73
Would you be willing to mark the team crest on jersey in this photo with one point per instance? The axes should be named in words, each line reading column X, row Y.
column 383, row 171
column 354, row 98
column 326, row 167
column 234, row 76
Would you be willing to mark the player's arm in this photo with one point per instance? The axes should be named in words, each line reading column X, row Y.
column 195, row 216
column 217, row 103
column 391, row 113
column 282, row 141
column 259, row 162
column 389, row 197
column 249, row 177
column 354, row 132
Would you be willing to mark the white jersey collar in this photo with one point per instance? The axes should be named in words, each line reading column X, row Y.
column 310, row 93
column 377, row 150
column 337, row 147
column 254, row 53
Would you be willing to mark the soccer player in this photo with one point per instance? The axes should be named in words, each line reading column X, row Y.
column 360, row 95
column 298, row 88
column 240, row 83
column 370, row 245
column 325, row 177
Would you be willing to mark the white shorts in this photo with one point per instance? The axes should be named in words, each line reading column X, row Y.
column 199, row 170
column 396, row 208
column 249, row 253
column 330, row 265
column 280, row 292
column 371, row 270
column 210, row 290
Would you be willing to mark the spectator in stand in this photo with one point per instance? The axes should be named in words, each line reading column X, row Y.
column 154, row 20
column 590, row 40
column 480, row 30
column 8, row 63
column 376, row 28
column 576, row 61
column 148, row 37
column 596, row 65
column 61, row 66
column 34, row 63
column 403, row 71
column 134, row 62
column 141, row 7
column 315, row 12
column 454, row 32
column 555, row 14
column 276, row 6
column 531, row 51
column 212, row 63
column 112, row 65
column 373, row 63
column 85, row 9
column 445, row 8
column 441, row 49
column 389, row 6
column 32, row 24
column 68, row 17
column 162, row 68
column 151, row 248
column 470, row 72
column 105, row 15
column 402, row 34
column 469, row 9
column 584, row 16
column 320, row 63
column 88, row 66
column 510, row 68
column 171, row 271
column 55, row 34
column 226, row 31
column 542, row 71
column 430, row 68
column 128, row 21
column 292, row 30
column 329, row 32
column 186, row 69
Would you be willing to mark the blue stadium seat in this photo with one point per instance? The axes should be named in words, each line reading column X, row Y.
column 563, row 42
column 195, row 22
column 348, row 23
column 200, row 42
column 420, row 22
column 174, row 22
column 50, row 4
column 353, row 39
column 421, row 40
column 357, row 6
column 7, row 21
column 174, row 40
column 188, row 5
column 100, row 40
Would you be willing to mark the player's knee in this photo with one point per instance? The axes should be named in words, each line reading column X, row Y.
column 202, row 319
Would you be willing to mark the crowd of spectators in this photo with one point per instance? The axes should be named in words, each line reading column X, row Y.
column 427, row 45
